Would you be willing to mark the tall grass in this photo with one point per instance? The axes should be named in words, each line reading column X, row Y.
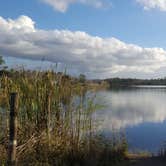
column 55, row 121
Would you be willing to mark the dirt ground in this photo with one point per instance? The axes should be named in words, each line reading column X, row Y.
column 150, row 161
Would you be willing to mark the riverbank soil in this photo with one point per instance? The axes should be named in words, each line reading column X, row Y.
column 148, row 161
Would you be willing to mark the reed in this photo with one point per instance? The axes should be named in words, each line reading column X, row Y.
column 55, row 121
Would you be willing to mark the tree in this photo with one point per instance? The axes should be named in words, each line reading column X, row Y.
column 82, row 78
column 1, row 61
column 2, row 67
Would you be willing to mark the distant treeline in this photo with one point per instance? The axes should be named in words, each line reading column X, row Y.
column 126, row 82
column 109, row 82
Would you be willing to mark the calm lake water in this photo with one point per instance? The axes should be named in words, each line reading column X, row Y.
column 140, row 112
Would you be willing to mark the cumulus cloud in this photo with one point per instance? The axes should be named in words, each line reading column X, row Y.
column 153, row 4
column 92, row 55
column 62, row 5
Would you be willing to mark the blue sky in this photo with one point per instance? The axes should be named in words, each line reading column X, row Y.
column 138, row 22
column 125, row 19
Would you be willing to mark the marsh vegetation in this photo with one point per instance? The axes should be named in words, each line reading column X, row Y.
column 56, row 123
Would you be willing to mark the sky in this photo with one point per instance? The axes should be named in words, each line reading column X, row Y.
column 99, row 38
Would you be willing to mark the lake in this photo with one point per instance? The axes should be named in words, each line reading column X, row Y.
column 139, row 111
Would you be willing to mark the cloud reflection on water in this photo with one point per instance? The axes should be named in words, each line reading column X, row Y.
column 129, row 108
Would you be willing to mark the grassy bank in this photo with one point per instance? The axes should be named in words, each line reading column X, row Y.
column 55, row 122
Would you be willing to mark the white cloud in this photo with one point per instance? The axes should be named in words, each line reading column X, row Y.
column 62, row 5
column 92, row 55
column 153, row 4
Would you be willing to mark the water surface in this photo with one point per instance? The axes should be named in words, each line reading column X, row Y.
column 140, row 112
